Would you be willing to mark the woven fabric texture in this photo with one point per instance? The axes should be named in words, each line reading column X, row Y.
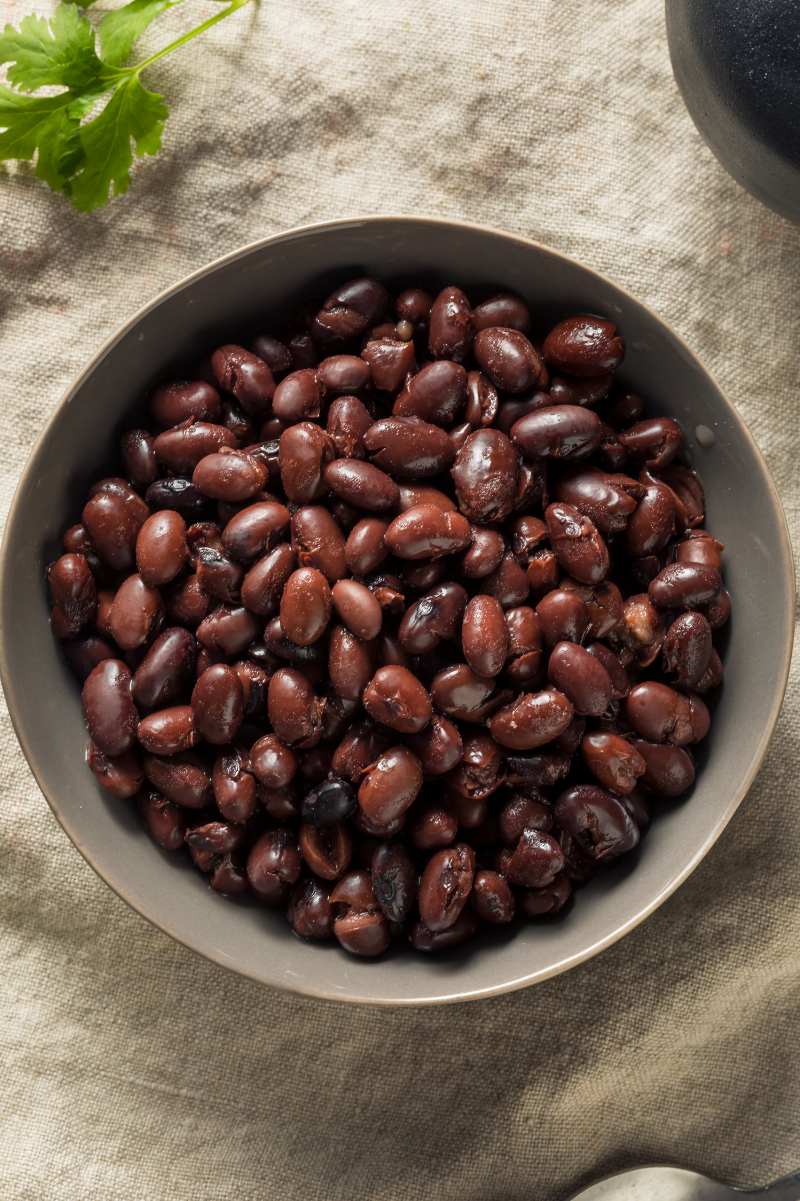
column 132, row 1068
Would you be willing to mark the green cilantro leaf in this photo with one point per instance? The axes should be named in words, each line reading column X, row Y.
column 132, row 115
column 120, row 28
column 45, row 126
column 85, row 153
column 59, row 51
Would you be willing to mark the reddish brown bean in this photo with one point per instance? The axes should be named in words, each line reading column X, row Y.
column 577, row 543
column 121, row 775
column 326, row 849
column 427, row 532
column 491, row 898
column 232, row 477
column 660, row 714
column 295, row 713
column 350, row 310
column 503, row 309
column 484, row 553
column 168, row 731
column 395, row 698
column 136, row 613
column 408, row 448
column 656, row 440
column 508, row 358
column 450, row 325
column 273, row 865
column 439, row 747
column 362, row 485
column 318, row 542
column 669, row 770
column 264, row 583
column 597, row 821
column 298, row 397
column 310, row 913
column 563, row 617
column 170, row 404
column 390, row 360
column 347, row 423
column 686, row 652
column 484, row 636
column 390, row 785
column 436, row 393
column 558, row 432
column 227, row 630
column 305, row 608
column 343, row 373
column 112, row 524
column 607, row 501
column 234, row 785
column 218, row 704
column 485, row 474
column 163, row 821
column 161, row 548
column 167, row 670
column 182, row 779
column 531, row 720
column 536, row 859
column 357, row 608
column 581, row 677
column 653, row 524
column 254, row 530
column 304, row 452
column 584, row 345
column 685, row 586
column 615, row 763
column 445, row 886
column 73, row 590
column 351, row 663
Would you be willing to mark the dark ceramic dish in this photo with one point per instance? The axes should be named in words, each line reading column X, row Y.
column 737, row 63
column 222, row 300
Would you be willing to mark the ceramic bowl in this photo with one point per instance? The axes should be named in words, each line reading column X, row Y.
column 253, row 287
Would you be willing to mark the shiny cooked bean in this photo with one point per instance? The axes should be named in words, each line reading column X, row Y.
column 402, row 621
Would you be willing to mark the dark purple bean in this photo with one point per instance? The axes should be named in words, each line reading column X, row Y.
column 394, row 881
column 538, row 902
column 84, row 655
column 177, row 494
column 163, row 821
column 462, row 930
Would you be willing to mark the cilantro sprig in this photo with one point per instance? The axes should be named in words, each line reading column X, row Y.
column 84, row 138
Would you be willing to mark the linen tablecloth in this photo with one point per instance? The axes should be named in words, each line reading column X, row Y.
column 132, row 1068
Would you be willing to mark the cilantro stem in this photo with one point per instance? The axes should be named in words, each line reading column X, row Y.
column 187, row 37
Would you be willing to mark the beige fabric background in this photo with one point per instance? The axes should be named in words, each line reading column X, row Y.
column 130, row 1067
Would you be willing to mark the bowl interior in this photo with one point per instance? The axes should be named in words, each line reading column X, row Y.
column 256, row 288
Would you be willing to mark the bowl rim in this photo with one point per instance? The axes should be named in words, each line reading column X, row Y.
column 308, row 988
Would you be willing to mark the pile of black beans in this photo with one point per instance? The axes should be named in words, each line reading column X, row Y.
column 401, row 624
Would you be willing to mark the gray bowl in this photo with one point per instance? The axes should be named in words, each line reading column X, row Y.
column 214, row 305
